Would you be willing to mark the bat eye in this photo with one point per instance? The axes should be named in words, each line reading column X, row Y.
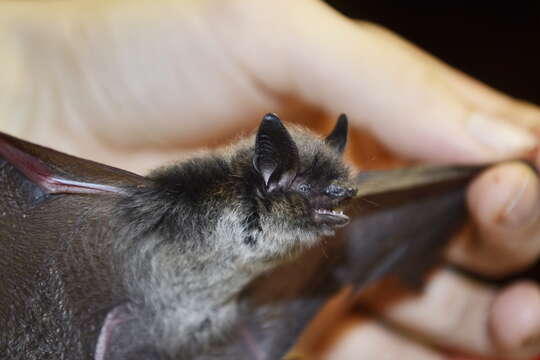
column 304, row 188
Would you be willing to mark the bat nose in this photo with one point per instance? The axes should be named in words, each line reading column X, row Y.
column 339, row 191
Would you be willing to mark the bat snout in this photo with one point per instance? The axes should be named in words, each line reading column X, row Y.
column 339, row 191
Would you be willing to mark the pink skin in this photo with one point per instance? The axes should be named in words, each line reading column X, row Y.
column 114, row 318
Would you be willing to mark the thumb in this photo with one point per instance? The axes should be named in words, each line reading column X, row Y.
column 417, row 106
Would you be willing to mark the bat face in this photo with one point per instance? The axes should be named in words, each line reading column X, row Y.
column 301, row 182
column 325, row 192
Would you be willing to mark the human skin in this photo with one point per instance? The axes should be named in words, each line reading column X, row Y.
column 137, row 83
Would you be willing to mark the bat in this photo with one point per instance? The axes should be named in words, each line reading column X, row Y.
column 226, row 255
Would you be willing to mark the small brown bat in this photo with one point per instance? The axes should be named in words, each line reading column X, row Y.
column 216, row 257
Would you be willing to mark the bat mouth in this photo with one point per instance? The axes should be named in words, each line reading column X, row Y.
column 335, row 218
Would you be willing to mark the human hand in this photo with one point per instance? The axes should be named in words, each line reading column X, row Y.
column 133, row 84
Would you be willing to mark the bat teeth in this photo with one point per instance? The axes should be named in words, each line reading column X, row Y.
column 328, row 211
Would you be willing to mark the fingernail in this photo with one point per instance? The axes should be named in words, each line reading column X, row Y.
column 500, row 135
column 523, row 206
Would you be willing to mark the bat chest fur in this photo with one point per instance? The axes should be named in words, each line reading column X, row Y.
column 189, row 294
column 197, row 315
column 190, row 298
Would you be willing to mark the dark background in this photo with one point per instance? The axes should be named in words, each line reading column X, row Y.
column 496, row 42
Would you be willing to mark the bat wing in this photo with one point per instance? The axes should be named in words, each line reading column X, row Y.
column 58, row 290
column 402, row 218
column 58, row 173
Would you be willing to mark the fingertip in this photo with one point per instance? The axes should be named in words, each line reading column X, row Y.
column 505, row 197
column 515, row 317
column 504, row 202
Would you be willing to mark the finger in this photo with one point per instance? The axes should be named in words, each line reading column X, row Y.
column 512, row 329
column 389, row 86
column 361, row 338
column 505, row 203
column 458, row 313
column 476, row 92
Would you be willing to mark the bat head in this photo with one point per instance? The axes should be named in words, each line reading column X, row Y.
column 301, row 179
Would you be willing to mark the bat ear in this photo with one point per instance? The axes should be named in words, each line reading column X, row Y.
column 338, row 137
column 276, row 156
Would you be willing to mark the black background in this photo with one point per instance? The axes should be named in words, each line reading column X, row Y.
column 496, row 42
